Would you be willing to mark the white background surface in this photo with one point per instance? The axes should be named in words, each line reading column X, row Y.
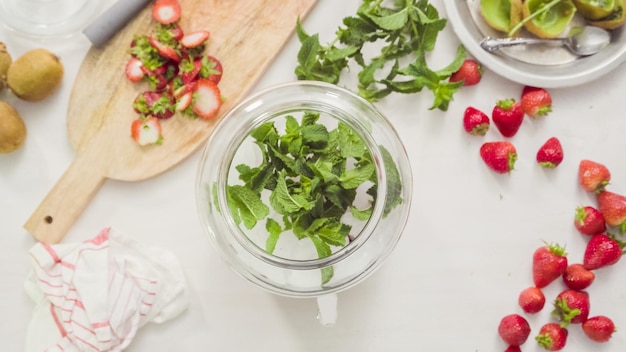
column 463, row 259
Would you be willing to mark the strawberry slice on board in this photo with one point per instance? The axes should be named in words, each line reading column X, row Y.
column 194, row 39
column 207, row 98
column 147, row 131
column 166, row 11
column 135, row 70
column 164, row 50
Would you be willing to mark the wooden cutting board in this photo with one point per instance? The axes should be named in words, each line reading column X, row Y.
column 246, row 35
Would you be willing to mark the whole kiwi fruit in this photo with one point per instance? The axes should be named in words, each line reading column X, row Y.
column 35, row 75
column 12, row 129
column 5, row 62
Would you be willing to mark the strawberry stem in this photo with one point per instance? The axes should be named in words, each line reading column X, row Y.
column 563, row 313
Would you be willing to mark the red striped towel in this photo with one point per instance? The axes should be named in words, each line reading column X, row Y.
column 95, row 295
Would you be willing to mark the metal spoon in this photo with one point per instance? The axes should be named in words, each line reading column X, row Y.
column 590, row 40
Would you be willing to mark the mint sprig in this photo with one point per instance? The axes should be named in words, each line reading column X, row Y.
column 310, row 176
column 407, row 31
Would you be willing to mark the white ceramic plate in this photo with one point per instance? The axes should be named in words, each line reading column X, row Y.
column 536, row 65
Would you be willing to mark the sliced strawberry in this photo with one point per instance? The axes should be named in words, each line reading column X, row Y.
column 147, row 131
column 207, row 98
column 166, row 11
column 183, row 89
column 195, row 39
column 211, row 69
column 158, row 104
column 184, row 101
column 134, row 70
column 190, row 69
column 166, row 51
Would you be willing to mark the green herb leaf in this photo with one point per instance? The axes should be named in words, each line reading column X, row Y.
column 274, row 230
column 323, row 250
column 246, row 205
column 285, row 202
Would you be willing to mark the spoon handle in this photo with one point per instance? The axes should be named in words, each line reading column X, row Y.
column 492, row 44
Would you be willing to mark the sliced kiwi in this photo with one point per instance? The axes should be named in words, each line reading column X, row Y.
column 547, row 22
column 614, row 20
column 501, row 15
column 35, row 75
column 594, row 9
column 12, row 129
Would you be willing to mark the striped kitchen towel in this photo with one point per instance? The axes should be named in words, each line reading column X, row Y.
column 95, row 295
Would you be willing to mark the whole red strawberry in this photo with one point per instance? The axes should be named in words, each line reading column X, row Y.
column 550, row 154
column 475, row 121
column 470, row 73
column 552, row 337
column 514, row 329
column 549, row 263
column 613, row 208
column 499, row 156
column 599, row 328
column 536, row 101
column 593, row 176
column 571, row 307
column 589, row 221
column 602, row 250
column 576, row 277
column 531, row 300
column 507, row 115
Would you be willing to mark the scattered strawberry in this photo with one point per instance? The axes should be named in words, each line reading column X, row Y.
column 499, row 156
column 552, row 337
column 599, row 328
column 507, row 115
column 194, row 39
column 531, row 300
column 601, row 251
column 571, row 307
column 593, row 176
column 470, row 73
column 164, row 50
column 576, row 277
column 207, row 98
column 589, row 221
column 146, row 131
column 513, row 349
column 536, row 102
column 613, row 209
column 134, row 70
column 166, row 11
column 514, row 329
column 550, row 154
column 475, row 122
column 549, row 263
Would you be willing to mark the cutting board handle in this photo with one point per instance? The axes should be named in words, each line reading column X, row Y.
column 66, row 200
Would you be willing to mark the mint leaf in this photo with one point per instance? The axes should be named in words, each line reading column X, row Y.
column 246, row 205
column 283, row 201
column 355, row 177
column 323, row 250
column 274, row 230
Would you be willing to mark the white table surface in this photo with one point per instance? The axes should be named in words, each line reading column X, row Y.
column 464, row 256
